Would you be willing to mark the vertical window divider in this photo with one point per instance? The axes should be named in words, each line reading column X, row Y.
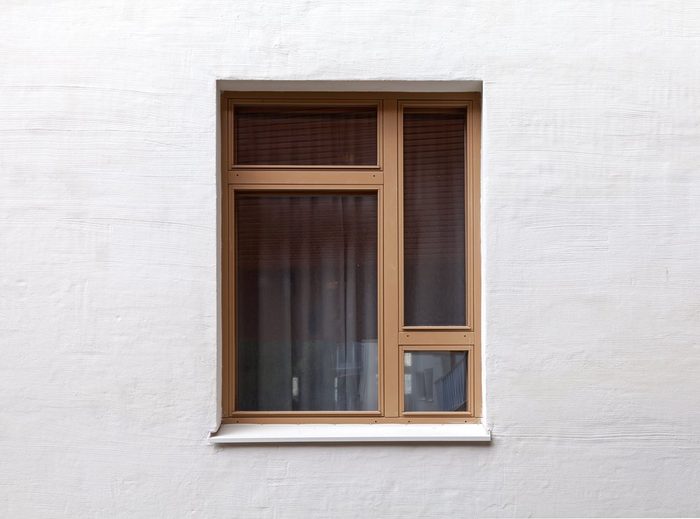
column 391, row 257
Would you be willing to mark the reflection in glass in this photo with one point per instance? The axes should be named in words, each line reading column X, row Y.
column 435, row 381
column 306, row 302
column 305, row 135
column 434, row 209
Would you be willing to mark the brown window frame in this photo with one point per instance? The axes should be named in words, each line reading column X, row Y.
column 385, row 179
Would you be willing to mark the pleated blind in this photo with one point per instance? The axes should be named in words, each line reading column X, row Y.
column 434, row 223
column 305, row 135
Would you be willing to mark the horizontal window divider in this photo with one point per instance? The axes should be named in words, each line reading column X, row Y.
column 343, row 97
column 449, row 418
column 437, row 414
column 436, row 346
column 436, row 328
column 272, row 414
column 305, row 177
column 304, row 188
column 425, row 105
column 257, row 168
column 303, row 99
column 426, row 338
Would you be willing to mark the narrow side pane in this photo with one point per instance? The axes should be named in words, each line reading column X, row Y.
column 434, row 217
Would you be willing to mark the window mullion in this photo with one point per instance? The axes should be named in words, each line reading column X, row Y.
column 391, row 260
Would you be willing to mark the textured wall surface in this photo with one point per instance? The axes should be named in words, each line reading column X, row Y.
column 108, row 263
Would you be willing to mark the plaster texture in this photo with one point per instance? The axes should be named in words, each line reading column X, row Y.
column 108, row 257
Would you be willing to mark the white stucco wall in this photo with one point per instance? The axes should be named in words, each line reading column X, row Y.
column 108, row 263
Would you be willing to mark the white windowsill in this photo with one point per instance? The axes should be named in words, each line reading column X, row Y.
column 349, row 433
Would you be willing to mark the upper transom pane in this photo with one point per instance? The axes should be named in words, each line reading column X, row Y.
column 305, row 135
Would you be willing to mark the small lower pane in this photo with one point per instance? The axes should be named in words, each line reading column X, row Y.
column 435, row 381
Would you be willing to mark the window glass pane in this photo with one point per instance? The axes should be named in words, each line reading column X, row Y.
column 435, row 381
column 434, row 228
column 306, row 135
column 306, row 302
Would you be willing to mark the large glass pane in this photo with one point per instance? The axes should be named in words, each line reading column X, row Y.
column 306, row 302
column 434, row 229
column 306, row 135
column 435, row 381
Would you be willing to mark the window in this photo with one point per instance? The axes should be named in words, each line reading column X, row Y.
column 350, row 257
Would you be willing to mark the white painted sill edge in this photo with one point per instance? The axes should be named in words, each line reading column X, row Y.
column 349, row 433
